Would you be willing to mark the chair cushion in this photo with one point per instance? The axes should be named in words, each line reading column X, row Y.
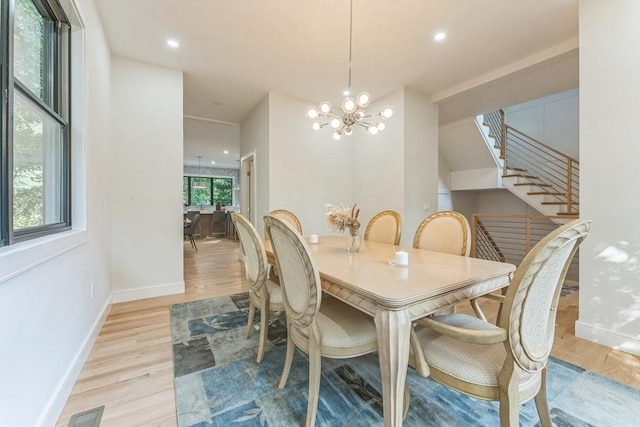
column 474, row 363
column 275, row 293
column 346, row 332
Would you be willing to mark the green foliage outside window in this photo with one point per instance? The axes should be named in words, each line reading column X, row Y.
column 201, row 191
column 223, row 191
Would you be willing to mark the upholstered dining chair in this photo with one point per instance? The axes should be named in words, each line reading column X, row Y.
column 507, row 362
column 191, row 229
column 264, row 294
column 384, row 227
column 288, row 216
column 446, row 232
column 320, row 327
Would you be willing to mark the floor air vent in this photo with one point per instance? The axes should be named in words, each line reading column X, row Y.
column 90, row 418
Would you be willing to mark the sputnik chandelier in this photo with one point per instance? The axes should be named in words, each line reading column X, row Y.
column 352, row 108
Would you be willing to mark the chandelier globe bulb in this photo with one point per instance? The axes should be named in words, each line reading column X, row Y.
column 349, row 105
column 363, row 100
column 373, row 130
column 312, row 113
column 325, row 107
column 316, row 126
column 337, row 135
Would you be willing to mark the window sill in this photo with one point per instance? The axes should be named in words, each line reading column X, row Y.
column 19, row 258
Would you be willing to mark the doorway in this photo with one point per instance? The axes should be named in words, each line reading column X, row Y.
column 248, row 185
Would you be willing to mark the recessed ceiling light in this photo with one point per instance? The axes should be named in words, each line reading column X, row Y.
column 226, row 151
column 173, row 43
column 213, row 162
column 439, row 36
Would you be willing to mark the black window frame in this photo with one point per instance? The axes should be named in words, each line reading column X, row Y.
column 211, row 186
column 54, row 105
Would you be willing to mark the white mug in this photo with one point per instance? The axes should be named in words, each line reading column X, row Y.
column 402, row 258
column 313, row 238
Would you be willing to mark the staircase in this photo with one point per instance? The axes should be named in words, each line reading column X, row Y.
column 540, row 175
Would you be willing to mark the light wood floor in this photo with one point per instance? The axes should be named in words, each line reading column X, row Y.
column 130, row 368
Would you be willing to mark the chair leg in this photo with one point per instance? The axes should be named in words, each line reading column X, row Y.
column 288, row 360
column 477, row 310
column 264, row 329
column 194, row 243
column 541, row 401
column 406, row 400
column 508, row 396
column 416, row 358
column 314, row 382
column 252, row 312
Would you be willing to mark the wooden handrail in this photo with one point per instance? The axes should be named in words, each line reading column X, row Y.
column 540, row 164
column 560, row 153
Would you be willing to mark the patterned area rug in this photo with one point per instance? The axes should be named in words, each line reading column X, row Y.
column 219, row 383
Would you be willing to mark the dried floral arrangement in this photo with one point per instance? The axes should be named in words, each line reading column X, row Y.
column 342, row 217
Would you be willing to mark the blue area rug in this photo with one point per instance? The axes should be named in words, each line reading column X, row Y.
column 219, row 383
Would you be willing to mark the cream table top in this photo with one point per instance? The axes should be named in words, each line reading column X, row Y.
column 396, row 295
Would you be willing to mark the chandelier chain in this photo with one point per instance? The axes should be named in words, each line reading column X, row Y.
column 350, row 41
column 352, row 113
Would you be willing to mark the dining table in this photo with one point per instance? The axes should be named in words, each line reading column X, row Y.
column 395, row 295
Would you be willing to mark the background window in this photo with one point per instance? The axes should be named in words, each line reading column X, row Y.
column 205, row 191
column 35, row 177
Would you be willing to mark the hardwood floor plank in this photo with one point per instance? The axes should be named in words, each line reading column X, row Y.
column 130, row 368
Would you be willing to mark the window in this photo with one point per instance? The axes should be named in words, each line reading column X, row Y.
column 203, row 191
column 35, row 152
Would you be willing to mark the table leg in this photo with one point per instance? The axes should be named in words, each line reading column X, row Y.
column 393, row 328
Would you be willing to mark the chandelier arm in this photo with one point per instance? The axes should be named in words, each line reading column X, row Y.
column 363, row 124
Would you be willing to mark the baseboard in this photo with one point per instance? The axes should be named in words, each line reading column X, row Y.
column 148, row 292
column 59, row 399
column 608, row 338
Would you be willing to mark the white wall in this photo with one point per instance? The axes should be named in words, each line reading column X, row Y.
column 610, row 176
column 146, row 203
column 48, row 318
column 552, row 120
column 378, row 168
column 503, row 202
column 420, row 162
column 254, row 138
column 308, row 168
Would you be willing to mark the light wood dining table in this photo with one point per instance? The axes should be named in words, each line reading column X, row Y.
column 397, row 295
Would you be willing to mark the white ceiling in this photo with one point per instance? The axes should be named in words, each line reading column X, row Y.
column 233, row 52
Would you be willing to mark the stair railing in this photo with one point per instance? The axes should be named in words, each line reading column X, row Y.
column 553, row 172
column 483, row 245
column 512, row 237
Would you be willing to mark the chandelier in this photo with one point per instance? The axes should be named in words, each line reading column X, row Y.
column 352, row 113
column 199, row 184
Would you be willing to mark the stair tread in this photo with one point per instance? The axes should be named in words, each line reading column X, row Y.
column 545, row 193
column 519, row 176
column 576, row 214
column 558, row 203
column 531, row 183
column 516, row 169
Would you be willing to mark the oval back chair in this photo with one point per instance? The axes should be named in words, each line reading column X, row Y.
column 384, row 227
column 446, row 232
column 263, row 293
column 288, row 216
column 507, row 362
column 317, row 326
